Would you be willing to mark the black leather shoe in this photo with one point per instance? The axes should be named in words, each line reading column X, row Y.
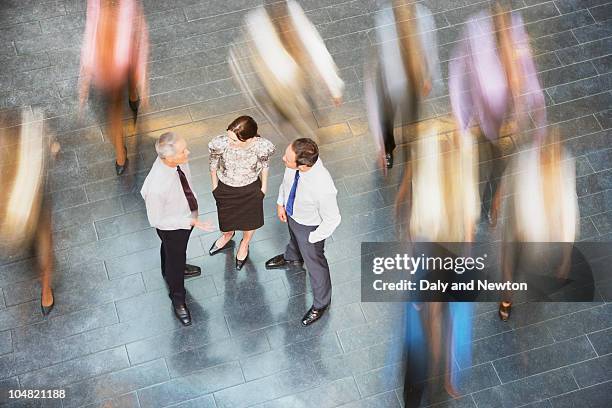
column 182, row 313
column 312, row 315
column 214, row 248
column 389, row 160
column 279, row 261
column 121, row 169
column 192, row 270
column 45, row 310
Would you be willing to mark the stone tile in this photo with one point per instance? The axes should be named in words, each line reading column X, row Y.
column 117, row 383
column 60, row 375
column 121, row 224
column 582, row 52
column 594, row 396
column 124, row 401
column 192, row 386
column 603, row 222
column 585, row 87
column 566, row 6
column 582, row 322
column 591, row 372
column 172, row 344
column 383, row 400
column 567, row 74
column 216, row 352
column 605, row 119
column 293, row 356
column 560, row 23
column 527, row 390
column 6, row 342
column 543, row 359
column 267, row 388
column 601, row 13
column 601, row 341
column 330, row 395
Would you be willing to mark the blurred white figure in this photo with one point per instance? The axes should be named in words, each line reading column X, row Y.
column 542, row 207
column 25, row 218
column 290, row 60
column 406, row 69
column 444, row 177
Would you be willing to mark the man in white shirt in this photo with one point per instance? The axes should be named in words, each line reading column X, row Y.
column 307, row 202
column 172, row 208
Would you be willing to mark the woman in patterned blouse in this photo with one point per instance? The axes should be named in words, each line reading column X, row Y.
column 239, row 173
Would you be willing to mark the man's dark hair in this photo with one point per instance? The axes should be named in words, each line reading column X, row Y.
column 306, row 151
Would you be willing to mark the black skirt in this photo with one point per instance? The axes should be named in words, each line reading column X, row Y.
column 239, row 208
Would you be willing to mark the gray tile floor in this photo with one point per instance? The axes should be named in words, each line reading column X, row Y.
column 112, row 340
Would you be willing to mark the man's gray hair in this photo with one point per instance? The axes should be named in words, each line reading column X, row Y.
column 166, row 145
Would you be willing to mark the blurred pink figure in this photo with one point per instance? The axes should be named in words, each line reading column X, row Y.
column 493, row 76
column 114, row 55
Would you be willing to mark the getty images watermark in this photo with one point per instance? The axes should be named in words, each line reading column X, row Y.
column 448, row 272
column 457, row 264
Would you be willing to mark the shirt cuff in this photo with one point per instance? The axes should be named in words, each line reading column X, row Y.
column 313, row 237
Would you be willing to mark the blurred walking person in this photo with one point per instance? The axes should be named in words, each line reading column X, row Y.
column 114, row 57
column 542, row 208
column 492, row 78
column 25, row 214
column 405, row 71
column 291, row 65
column 239, row 162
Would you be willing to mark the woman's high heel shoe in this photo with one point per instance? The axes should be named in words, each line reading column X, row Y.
column 120, row 169
column 46, row 309
column 240, row 262
column 214, row 248
column 134, row 105
column 504, row 310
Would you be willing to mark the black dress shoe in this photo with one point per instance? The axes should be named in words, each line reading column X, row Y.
column 279, row 261
column 192, row 270
column 312, row 315
column 214, row 248
column 121, row 169
column 182, row 313
column 389, row 160
column 45, row 310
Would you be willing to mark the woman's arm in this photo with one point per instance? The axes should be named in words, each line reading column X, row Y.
column 264, row 179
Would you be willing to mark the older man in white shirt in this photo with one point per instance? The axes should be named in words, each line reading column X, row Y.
column 172, row 208
column 307, row 202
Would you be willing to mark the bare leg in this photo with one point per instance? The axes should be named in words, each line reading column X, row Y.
column 44, row 255
column 115, row 129
column 243, row 250
column 133, row 90
column 224, row 238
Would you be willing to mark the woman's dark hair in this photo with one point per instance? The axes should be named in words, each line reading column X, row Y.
column 306, row 151
column 244, row 127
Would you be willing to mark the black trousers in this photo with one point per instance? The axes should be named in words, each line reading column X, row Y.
column 408, row 112
column 173, row 253
column 313, row 255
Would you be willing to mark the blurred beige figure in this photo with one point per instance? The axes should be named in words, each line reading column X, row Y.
column 441, row 188
column 25, row 218
column 543, row 205
column 114, row 56
column 290, row 62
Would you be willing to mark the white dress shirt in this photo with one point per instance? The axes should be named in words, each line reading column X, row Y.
column 167, row 206
column 315, row 200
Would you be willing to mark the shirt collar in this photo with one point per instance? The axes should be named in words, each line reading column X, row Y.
column 315, row 169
